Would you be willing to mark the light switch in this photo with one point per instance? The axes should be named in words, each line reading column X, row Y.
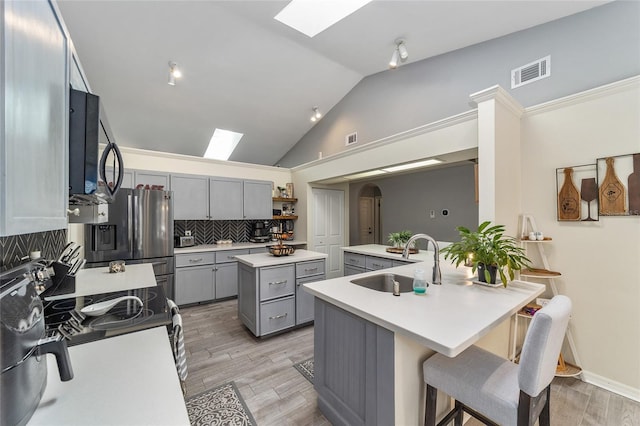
column 432, row 214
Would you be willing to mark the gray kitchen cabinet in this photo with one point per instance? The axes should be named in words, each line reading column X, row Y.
column 190, row 200
column 352, row 270
column 35, row 117
column 307, row 272
column 353, row 368
column 356, row 263
column 225, row 198
column 195, row 284
column 271, row 299
column 127, row 177
column 258, row 203
column 226, row 280
column 146, row 177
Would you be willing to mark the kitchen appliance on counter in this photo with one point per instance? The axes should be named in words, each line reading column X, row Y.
column 260, row 233
column 139, row 230
column 23, row 343
column 131, row 310
column 184, row 241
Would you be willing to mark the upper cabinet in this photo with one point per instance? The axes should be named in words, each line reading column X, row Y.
column 34, row 116
column 226, row 198
column 190, row 200
column 257, row 199
column 145, row 177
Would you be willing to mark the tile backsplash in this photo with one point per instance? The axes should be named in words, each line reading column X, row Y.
column 15, row 247
column 210, row 231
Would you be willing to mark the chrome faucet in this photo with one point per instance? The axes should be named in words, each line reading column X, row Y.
column 436, row 278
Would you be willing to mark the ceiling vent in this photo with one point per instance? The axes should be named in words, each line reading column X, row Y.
column 350, row 139
column 531, row 72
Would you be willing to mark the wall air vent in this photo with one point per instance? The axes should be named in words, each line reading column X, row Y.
column 350, row 139
column 531, row 72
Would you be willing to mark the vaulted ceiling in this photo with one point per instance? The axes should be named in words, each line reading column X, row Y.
column 246, row 72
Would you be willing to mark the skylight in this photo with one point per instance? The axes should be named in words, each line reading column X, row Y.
column 222, row 144
column 311, row 17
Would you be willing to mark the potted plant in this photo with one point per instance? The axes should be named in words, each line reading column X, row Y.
column 400, row 239
column 489, row 252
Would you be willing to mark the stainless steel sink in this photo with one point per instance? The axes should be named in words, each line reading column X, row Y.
column 384, row 282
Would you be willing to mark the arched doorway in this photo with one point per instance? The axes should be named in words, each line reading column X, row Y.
column 369, row 221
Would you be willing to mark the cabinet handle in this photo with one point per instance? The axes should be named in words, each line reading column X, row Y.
column 279, row 316
column 377, row 264
column 311, row 270
column 231, row 257
column 195, row 260
column 278, row 282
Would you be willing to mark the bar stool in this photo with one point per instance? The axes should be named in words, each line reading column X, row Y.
column 495, row 390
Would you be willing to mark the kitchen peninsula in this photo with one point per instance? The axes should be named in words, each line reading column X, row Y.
column 370, row 345
column 129, row 379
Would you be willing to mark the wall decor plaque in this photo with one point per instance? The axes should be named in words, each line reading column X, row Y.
column 577, row 193
column 619, row 189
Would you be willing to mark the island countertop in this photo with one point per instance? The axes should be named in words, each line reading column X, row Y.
column 448, row 319
column 380, row 250
column 259, row 260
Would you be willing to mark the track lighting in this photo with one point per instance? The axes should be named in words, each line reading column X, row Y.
column 316, row 114
column 174, row 73
column 400, row 53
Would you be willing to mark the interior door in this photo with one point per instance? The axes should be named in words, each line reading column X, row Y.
column 328, row 227
column 366, row 220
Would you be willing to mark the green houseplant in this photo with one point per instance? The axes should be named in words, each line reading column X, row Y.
column 400, row 239
column 489, row 252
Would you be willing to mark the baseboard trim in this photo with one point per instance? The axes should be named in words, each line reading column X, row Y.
column 612, row 386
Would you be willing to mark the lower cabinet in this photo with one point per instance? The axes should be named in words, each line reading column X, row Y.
column 271, row 298
column 355, row 263
column 206, row 276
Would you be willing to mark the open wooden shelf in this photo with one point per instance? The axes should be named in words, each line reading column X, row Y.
column 290, row 217
column 285, row 200
column 539, row 273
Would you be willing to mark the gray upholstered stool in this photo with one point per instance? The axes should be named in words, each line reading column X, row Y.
column 495, row 390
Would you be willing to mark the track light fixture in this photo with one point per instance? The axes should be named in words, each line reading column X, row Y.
column 316, row 114
column 400, row 54
column 174, row 73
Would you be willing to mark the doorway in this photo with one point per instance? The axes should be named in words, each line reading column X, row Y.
column 369, row 220
column 328, row 227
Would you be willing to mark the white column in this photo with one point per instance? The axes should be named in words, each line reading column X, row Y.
column 499, row 177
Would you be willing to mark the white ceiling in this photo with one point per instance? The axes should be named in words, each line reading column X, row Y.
column 246, row 72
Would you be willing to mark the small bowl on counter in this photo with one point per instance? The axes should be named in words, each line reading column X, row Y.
column 281, row 250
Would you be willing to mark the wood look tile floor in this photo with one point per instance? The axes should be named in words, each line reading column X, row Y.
column 220, row 349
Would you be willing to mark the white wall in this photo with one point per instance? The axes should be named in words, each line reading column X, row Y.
column 599, row 261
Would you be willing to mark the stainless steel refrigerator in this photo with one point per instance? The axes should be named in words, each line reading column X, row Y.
column 139, row 230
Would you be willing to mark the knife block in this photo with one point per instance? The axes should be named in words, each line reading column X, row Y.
column 61, row 282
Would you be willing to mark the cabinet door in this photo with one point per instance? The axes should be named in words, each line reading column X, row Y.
column 373, row 263
column 225, row 198
column 258, row 203
column 127, row 178
column 145, row 177
column 194, row 284
column 34, row 113
column 190, row 197
column 305, row 300
column 226, row 280
column 352, row 270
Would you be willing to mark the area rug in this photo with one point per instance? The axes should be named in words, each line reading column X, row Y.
column 219, row 406
column 305, row 368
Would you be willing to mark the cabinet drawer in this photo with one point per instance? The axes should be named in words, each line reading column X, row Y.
column 277, row 315
column 401, row 262
column 277, row 281
column 229, row 255
column 354, row 259
column 314, row 267
column 194, row 259
column 353, row 270
column 375, row 263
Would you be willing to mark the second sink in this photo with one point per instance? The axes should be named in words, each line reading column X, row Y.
column 384, row 282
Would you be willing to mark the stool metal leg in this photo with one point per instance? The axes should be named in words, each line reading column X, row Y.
column 430, row 406
column 545, row 418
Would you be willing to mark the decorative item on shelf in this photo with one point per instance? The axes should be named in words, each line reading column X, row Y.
column 574, row 205
column 399, row 240
column 289, row 190
column 492, row 253
column 283, row 192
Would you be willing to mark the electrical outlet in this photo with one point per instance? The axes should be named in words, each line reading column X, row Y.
column 432, row 214
column 187, row 233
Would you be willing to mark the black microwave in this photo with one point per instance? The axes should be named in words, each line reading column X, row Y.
column 86, row 166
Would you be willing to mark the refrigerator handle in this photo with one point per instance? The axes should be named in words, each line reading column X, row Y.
column 130, row 221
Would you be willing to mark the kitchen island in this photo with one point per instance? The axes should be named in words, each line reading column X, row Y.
column 270, row 295
column 129, row 379
column 370, row 345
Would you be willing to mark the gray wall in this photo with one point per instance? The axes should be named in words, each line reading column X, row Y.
column 407, row 200
column 589, row 49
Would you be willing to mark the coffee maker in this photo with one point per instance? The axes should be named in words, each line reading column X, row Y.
column 260, row 233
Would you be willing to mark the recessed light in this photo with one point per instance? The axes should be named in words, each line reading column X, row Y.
column 222, row 144
column 313, row 17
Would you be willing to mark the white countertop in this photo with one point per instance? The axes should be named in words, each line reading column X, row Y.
column 124, row 380
column 259, row 260
column 99, row 280
column 448, row 319
column 381, row 251
column 234, row 246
